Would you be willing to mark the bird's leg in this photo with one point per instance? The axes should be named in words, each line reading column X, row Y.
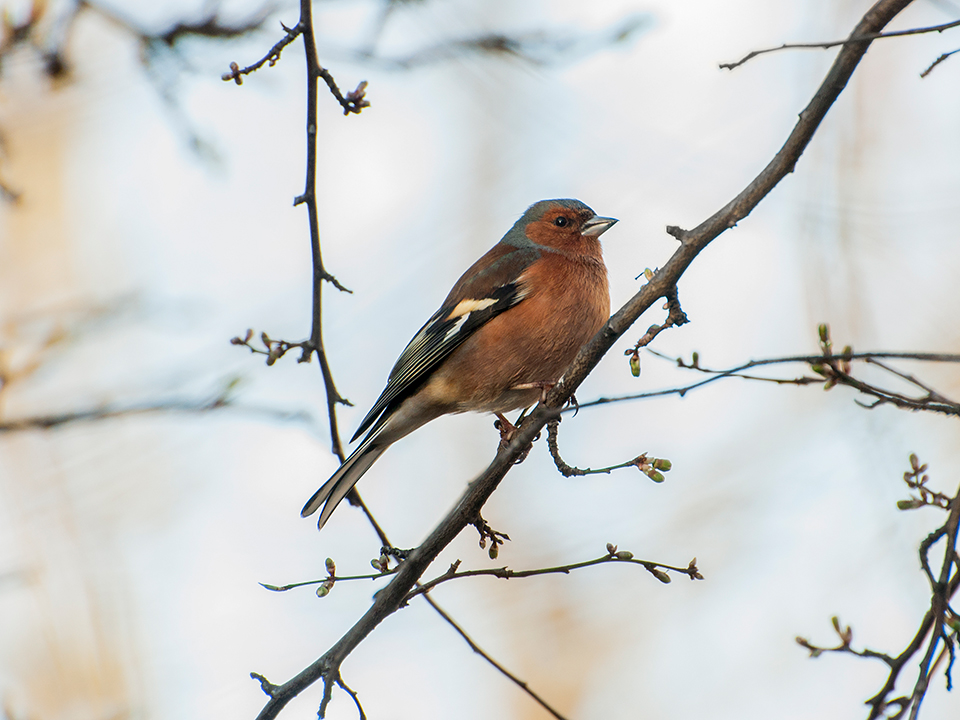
column 507, row 430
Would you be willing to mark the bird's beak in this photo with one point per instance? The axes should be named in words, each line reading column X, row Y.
column 597, row 226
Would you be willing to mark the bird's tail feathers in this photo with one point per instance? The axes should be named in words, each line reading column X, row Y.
column 336, row 488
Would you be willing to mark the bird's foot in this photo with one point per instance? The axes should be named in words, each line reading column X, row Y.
column 508, row 431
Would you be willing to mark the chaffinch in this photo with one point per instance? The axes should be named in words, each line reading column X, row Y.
column 508, row 329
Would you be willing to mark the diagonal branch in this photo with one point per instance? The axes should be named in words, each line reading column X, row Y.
column 939, row 60
column 477, row 649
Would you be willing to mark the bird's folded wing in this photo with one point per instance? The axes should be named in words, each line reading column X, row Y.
column 474, row 301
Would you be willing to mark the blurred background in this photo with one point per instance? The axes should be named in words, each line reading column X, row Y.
column 155, row 222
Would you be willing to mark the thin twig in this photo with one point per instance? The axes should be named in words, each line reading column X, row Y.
column 945, row 406
column 938, row 61
column 865, row 37
column 650, row 467
column 335, row 578
column 477, row 649
column 236, row 72
column 622, row 556
column 356, row 699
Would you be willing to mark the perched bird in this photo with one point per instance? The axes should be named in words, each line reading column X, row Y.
column 506, row 332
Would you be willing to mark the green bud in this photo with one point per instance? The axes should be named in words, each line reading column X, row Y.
column 655, row 476
column 823, row 330
column 635, row 365
column 494, row 551
column 323, row 591
column 695, row 359
column 911, row 504
column 331, row 566
column 661, row 576
column 624, row 555
column 662, row 464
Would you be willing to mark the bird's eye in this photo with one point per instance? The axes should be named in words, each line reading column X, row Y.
column 561, row 221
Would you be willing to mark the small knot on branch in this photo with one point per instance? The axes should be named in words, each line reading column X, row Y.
column 268, row 687
column 678, row 232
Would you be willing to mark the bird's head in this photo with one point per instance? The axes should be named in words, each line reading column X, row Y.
column 563, row 224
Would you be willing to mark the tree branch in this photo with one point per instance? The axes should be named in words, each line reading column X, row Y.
column 650, row 467
column 831, row 370
column 522, row 684
column 943, row 588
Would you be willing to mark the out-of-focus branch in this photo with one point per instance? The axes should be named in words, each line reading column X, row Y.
column 110, row 412
column 52, row 47
column 540, row 48
column 210, row 27
column 8, row 193
column 663, row 282
column 864, row 37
